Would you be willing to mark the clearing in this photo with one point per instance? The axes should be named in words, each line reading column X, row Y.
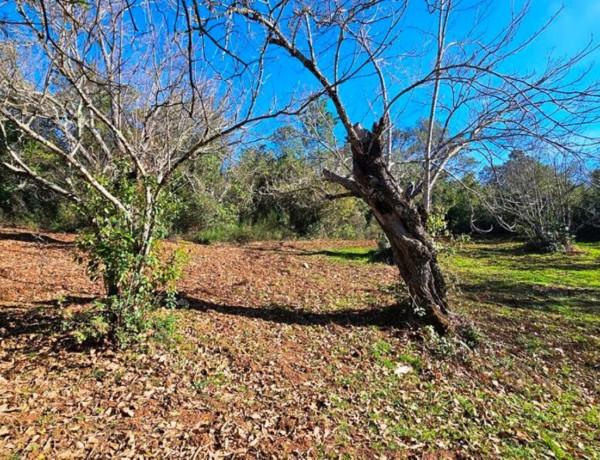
column 285, row 350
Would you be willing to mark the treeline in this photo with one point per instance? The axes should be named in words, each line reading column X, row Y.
column 271, row 191
column 275, row 190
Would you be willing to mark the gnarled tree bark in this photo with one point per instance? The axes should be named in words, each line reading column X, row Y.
column 414, row 253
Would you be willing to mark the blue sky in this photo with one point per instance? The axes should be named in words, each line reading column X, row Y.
column 579, row 20
column 570, row 31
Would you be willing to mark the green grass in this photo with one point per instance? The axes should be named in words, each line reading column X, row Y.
column 506, row 262
column 530, row 393
column 505, row 276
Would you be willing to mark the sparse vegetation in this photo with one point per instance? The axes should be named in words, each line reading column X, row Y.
column 338, row 381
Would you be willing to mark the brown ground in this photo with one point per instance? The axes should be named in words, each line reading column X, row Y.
column 264, row 299
column 284, row 352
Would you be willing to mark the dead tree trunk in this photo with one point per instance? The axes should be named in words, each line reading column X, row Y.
column 413, row 250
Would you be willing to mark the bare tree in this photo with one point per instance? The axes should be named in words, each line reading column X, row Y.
column 460, row 80
column 103, row 102
column 535, row 195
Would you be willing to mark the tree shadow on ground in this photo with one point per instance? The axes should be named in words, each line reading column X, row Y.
column 563, row 264
column 353, row 256
column 68, row 300
column 32, row 330
column 30, row 237
column 533, row 297
column 369, row 256
column 19, row 321
column 495, row 251
column 384, row 317
column 521, row 258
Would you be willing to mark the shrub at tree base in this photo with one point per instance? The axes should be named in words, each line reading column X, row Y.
column 127, row 258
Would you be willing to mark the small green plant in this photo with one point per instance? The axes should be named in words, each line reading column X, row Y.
column 415, row 361
column 90, row 326
column 122, row 249
column 99, row 374
column 199, row 385
column 473, row 336
column 455, row 243
column 440, row 346
column 381, row 349
column 443, row 346
column 61, row 301
column 164, row 327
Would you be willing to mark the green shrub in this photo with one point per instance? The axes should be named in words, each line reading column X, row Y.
column 124, row 252
column 241, row 233
column 550, row 241
column 164, row 327
column 89, row 326
column 111, row 320
column 436, row 222
column 213, row 235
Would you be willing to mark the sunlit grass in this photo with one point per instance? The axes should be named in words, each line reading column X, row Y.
column 507, row 261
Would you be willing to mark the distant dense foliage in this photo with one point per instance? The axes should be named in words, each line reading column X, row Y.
column 275, row 191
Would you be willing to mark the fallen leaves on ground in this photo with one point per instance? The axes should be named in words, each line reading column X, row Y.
column 284, row 351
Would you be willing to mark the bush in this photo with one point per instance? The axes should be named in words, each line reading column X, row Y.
column 96, row 326
column 559, row 240
column 241, row 233
column 347, row 218
column 122, row 318
column 124, row 252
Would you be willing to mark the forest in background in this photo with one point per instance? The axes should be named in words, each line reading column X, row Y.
column 274, row 190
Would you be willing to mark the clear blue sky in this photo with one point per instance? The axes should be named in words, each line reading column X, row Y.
column 570, row 31
column 579, row 20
